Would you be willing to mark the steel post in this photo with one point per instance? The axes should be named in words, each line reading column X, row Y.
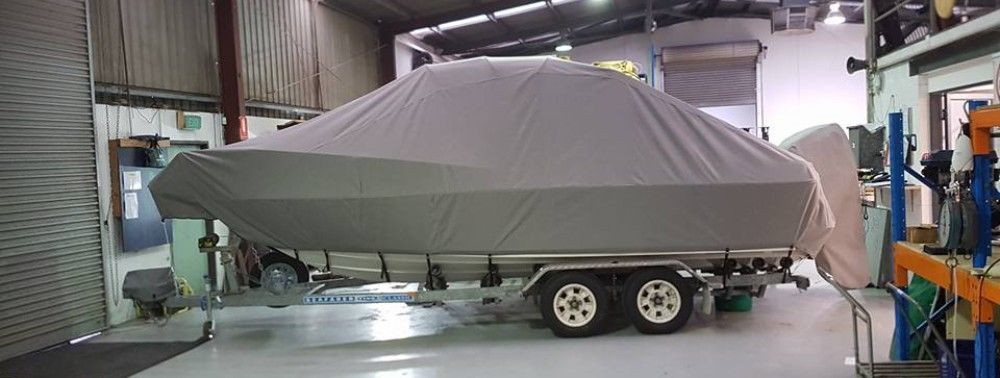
column 227, row 34
column 982, row 192
column 985, row 351
column 897, row 151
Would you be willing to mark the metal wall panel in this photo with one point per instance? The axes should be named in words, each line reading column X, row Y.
column 169, row 44
column 723, row 74
column 348, row 57
column 279, row 52
column 295, row 52
column 51, row 265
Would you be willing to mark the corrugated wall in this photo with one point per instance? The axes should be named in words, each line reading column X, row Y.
column 279, row 52
column 348, row 57
column 169, row 44
column 295, row 52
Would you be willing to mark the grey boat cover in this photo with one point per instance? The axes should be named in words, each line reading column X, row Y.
column 506, row 156
column 844, row 254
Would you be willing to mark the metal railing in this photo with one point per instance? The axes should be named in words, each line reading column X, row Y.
column 868, row 367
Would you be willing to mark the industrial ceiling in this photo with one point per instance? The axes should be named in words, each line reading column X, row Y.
column 518, row 27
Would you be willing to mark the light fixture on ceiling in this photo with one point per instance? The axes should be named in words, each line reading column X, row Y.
column 564, row 47
column 835, row 16
column 464, row 22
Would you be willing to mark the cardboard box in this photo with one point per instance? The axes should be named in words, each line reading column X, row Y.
column 923, row 234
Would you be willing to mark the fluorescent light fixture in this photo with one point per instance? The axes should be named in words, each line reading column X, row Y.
column 564, row 47
column 422, row 32
column 835, row 17
column 463, row 22
column 557, row 2
column 519, row 9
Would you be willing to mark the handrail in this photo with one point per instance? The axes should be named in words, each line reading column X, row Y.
column 938, row 339
column 856, row 310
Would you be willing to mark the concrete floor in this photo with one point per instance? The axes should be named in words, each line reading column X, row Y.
column 788, row 334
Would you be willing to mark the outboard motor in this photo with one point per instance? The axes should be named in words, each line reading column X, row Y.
column 150, row 288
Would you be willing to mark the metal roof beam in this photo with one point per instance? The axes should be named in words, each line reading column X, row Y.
column 394, row 8
column 569, row 24
column 452, row 15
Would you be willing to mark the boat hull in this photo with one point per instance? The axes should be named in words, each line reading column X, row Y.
column 469, row 267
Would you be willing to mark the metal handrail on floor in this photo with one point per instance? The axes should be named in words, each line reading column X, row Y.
column 869, row 368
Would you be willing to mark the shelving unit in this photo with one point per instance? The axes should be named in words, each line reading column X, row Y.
column 964, row 277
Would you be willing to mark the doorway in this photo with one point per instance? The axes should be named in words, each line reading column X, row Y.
column 949, row 111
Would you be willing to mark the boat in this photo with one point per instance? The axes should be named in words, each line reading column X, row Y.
column 507, row 164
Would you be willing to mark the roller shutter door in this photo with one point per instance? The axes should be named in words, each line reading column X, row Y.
column 51, row 265
column 722, row 74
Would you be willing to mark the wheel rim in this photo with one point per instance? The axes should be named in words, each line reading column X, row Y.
column 658, row 301
column 279, row 277
column 574, row 305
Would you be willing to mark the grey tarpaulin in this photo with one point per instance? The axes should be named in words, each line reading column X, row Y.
column 505, row 156
column 844, row 254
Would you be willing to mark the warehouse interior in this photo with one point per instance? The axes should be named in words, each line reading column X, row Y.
column 447, row 188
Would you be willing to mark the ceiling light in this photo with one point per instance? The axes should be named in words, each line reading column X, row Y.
column 519, row 10
column 463, row 22
column 835, row 16
column 564, row 47
column 422, row 32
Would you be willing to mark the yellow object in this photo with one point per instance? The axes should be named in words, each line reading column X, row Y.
column 627, row 67
column 944, row 8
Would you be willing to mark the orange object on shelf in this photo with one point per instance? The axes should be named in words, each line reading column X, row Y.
column 981, row 121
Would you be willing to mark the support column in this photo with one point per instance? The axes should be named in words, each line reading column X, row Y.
column 982, row 192
column 227, row 34
column 897, row 197
column 386, row 56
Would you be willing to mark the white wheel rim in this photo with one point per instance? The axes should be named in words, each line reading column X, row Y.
column 278, row 278
column 574, row 305
column 658, row 301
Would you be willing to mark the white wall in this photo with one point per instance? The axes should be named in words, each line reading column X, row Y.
column 112, row 122
column 405, row 46
column 404, row 58
column 804, row 81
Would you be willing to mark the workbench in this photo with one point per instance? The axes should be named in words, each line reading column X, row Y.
column 983, row 293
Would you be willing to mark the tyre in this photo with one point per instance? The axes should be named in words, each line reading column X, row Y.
column 657, row 301
column 277, row 264
column 575, row 304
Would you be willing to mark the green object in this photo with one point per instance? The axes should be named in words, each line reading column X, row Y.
column 735, row 303
column 188, row 262
column 192, row 122
column 922, row 291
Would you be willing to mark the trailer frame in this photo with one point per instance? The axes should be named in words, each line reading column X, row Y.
column 339, row 291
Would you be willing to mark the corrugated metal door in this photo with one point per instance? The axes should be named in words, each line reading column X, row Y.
column 51, row 265
column 722, row 74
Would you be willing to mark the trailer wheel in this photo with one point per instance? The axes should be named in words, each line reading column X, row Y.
column 575, row 304
column 284, row 265
column 657, row 301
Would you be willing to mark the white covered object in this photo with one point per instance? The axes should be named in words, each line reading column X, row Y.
column 844, row 255
column 506, row 156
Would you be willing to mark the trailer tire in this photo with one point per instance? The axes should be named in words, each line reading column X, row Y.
column 657, row 301
column 575, row 304
column 301, row 271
